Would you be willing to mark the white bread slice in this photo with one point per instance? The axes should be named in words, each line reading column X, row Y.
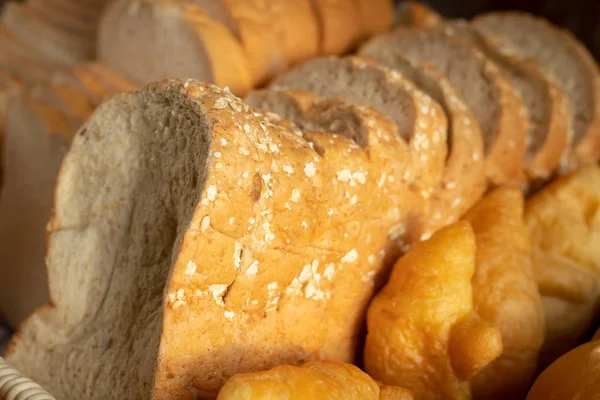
column 573, row 67
column 229, row 239
column 57, row 45
column 548, row 108
column 486, row 90
column 36, row 139
column 463, row 182
column 136, row 40
column 421, row 121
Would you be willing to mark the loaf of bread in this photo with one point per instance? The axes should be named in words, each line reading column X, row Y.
column 483, row 86
column 231, row 191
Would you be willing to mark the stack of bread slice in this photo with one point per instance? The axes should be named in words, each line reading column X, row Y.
column 195, row 236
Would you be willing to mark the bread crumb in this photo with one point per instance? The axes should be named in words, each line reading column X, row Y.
column 245, row 175
column 372, row 259
column 229, row 315
column 330, row 211
column 231, row 220
column 274, row 148
column 309, row 169
column 211, row 193
column 353, row 200
column 190, row 269
column 205, row 223
column 253, row 268
column 266, row 178
column 246, row 128
column 295, row 197
column 350, row 257
column 223, row 142
column 217, row 154
column 305, row 274
column 304, row 224
column 198, row 293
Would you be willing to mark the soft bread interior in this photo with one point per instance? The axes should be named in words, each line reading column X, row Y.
column 121, row 217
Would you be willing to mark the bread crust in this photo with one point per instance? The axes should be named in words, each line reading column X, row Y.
column 417, row 15
column 376, row 16
column 339, row 25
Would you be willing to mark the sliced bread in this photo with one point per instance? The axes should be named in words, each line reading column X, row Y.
column 376, row 16
column 273, row 33
column 136, row 39
column 26, row 25
column 548, row 108
column 17, row 48
column 66, row 21
column 486, row 90
column 573, row 67
column 417, row 15
column 211, row 200
column 463, row 182
column 35, row 141
column 420, row 120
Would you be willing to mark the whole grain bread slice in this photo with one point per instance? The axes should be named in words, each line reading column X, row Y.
column 420, row 120
column 573, row 67
column 25, row 24
column 207, row 197
column 486, row 90
column 463, row 182
column 136, row 39
column 548, row 108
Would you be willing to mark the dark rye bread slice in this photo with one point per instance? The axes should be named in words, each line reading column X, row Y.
column 486, row 90
column 137, row 40
column 571, row 64
column 60, row 47
column 548, row 108
column 420, row 120
column 463, row 182
column 36, row 139
column 142, row 247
